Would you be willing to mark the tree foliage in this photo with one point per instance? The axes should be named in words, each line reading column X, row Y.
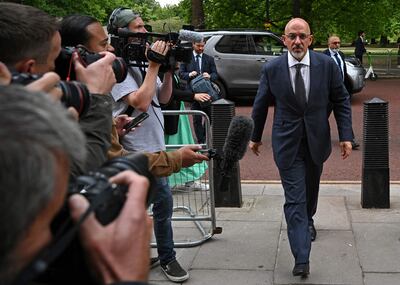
column 344, row 18
column 100, row 9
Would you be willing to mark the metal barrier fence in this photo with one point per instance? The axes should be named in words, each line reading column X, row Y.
column 193, row 219
column 387, row 63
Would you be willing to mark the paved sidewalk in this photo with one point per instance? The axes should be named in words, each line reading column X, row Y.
column 354, row 245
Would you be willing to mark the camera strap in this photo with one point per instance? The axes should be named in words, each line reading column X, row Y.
column 60, row 242
column 138, row 77
column 139, row 80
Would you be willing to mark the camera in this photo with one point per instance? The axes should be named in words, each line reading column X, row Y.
column 74, row 94
column 64, row 66
column 96, row 183
column 106, row 200
column 133, row 47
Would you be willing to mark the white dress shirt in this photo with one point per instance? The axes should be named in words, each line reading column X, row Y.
column 305, row 71
column 340, row 60
column 200, row 59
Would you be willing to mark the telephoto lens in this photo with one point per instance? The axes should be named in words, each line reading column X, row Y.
column 65, row 69
column 74, row 94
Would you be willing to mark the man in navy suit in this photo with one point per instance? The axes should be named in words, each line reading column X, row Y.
column 359, row 49
column 201, row 64
column 333, row 51
column 304, row 86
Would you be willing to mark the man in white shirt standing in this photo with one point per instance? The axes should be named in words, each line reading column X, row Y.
column 333, row 51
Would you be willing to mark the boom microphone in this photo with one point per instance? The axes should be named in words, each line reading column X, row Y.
column 190, row 36
column 184, row 35
column 237, row 139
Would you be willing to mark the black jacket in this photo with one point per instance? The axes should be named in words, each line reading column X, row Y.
column 179, row 94
column 347, row 82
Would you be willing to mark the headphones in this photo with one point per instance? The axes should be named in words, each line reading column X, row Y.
column 111, row 28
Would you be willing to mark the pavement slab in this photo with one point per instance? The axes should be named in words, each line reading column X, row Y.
column 378, row 246
column 354, row 246
column 333, row 260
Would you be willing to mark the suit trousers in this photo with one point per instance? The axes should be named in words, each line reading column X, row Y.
column 301, row 185
column 198, row 122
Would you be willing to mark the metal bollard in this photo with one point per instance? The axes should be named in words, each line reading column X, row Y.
column 222, row 112
column 375, row 165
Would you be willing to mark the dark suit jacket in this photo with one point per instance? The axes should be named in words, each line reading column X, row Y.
column 347, row 83
column 179, row 94
column 360, row 47
column 290, row 122
column 207, row 65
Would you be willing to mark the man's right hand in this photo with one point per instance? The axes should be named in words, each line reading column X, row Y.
column 47, row 83
column 201, row 97
column 98, row 76
column 190, row 156
column 160, row 47
column 120, row 250
column 193, row 74
column 5, row 75
column 254, row 146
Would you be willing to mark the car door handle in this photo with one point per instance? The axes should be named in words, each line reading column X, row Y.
column 217, row 57
column 262, row 60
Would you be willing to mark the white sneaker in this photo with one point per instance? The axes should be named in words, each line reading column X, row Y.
column 196, row 186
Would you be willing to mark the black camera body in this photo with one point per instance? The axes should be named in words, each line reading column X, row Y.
column 133, row 46
column 74, row 94
column 65, row 69
column 107, row 200
column 96, row 183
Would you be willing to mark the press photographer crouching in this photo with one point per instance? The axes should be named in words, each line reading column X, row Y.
column 30, row 43
column 37, row 151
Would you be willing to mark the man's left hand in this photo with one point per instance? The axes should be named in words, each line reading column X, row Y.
column 206, row 75
column 345, row 149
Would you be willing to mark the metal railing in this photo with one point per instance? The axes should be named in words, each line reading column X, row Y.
column 193, row 220
column 387, row 63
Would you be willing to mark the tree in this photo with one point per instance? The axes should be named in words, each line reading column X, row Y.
column 198, row 14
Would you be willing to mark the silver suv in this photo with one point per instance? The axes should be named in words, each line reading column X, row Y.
column 239, row 56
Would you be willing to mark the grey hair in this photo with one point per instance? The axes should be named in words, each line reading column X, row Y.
column 33, row 131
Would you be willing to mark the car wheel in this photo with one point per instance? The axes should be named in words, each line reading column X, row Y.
column 219, row 86
column 373, row 76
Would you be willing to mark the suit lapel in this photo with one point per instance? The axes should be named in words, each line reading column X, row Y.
column 315, row 72
column 284, row 70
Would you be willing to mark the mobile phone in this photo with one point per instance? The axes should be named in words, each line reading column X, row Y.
column 136, row 121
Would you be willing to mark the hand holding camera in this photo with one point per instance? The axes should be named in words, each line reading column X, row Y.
column 47, row 83
column 125, row 241
column 5, row 75
column 157, row 52
column 99, row 76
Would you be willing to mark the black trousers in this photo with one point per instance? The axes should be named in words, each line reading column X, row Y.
column 198, row 122
column 301, row 185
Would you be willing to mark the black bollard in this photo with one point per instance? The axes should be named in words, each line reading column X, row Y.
column 375, row 165
column 228, row 193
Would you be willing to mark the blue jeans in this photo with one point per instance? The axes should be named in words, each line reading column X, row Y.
column 162, row 213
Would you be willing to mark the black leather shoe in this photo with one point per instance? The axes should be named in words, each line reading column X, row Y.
column 355, row 145
column 302, row 270
column 313, row 232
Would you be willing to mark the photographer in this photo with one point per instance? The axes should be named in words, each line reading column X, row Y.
column 37, row 151
column 142, row 91
column 30, row 43
column 82, row 30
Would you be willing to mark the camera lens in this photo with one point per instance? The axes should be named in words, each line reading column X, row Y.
column 75, row 94
column 120, row 69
